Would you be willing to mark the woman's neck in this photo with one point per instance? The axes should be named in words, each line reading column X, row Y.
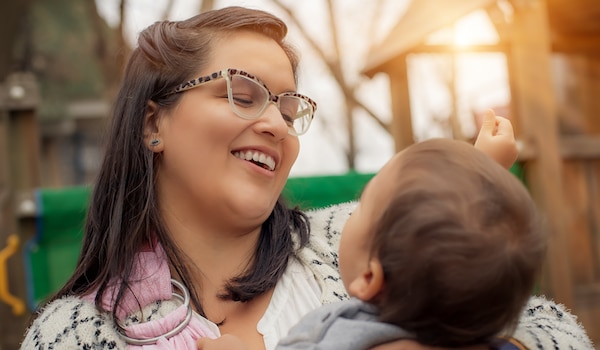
column 218, row 250
column 217, row 253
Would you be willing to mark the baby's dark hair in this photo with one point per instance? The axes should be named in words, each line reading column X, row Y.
column 461, row 244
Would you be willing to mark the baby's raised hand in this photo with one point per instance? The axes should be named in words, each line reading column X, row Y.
column 496, row 138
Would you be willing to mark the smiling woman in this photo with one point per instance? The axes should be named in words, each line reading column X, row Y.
column 187, row 235
column 200, row 166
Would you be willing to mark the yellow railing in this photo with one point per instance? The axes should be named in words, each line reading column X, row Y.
column 18, row 306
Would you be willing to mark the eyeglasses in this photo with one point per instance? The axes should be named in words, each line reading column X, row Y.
column 249, row 97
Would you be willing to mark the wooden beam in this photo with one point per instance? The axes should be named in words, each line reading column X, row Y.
column 503, row 47
column 538, row 118
column 580, row 147
column 571, row 147
column 577, row 44
column 421, row 18
column 19, row 99
column 590, row 80
column 401, row 125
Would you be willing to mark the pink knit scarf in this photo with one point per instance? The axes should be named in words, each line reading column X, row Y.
column 151, row 282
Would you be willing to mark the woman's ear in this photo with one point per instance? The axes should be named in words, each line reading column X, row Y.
column 368, row 285
column 151, row 128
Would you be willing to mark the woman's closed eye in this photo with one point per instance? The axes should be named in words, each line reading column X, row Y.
column 243, row 100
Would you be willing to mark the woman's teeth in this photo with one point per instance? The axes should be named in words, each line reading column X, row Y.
column 259, row 158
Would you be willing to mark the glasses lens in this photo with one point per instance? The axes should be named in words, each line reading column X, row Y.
column 297, row 112
column 248, row 98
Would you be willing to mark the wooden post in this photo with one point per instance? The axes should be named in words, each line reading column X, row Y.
column 19, row 98
column 592, row 102
column 535, row 106
column 401, row 126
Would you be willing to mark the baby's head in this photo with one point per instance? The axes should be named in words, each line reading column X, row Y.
column 445, row 242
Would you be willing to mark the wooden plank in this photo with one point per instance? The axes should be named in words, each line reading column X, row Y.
column 588, row 310
column 578, row 199
column 538, row 118
column 571, row 147
column 4, row 166
column 592, row 92
column 576, row 44
column 574, row 17
column 580, row 147
column 502, row 47
column 572, row 91
column 401, row 125
column 421, row 18
column 594, row 215
column 19, row 102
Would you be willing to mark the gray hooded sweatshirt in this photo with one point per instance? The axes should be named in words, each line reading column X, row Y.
column 348, row 325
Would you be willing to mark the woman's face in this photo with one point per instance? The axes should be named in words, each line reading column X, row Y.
column 203, row 172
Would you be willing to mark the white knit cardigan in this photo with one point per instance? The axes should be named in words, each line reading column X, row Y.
column 71, row 323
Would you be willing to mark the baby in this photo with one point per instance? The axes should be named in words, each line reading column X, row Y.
column 443, row 248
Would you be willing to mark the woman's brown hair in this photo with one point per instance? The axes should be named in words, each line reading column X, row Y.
column 123, row 214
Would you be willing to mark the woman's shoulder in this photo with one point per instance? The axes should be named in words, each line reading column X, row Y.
column 335, row 211
column 320, row 255
column 329, row 221
column 72, row 323
column 545, row 324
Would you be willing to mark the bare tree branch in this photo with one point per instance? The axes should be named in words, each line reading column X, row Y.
column 335, row 63
column 168, row 9
column 12, row 26
column 385, row 126
column 347, row 90
column 377, row 13
column 336, row 67
column 123, row 46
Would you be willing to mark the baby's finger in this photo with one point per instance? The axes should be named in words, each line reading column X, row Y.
column 504, row 126
column 488, row 122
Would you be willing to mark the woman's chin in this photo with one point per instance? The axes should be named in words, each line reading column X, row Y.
column 253, row 209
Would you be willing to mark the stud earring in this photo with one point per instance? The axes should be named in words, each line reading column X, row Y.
column 154, row 142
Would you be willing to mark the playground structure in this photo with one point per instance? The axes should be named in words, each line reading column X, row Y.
column 43, row 226
column 561, row 164
column 556, row 120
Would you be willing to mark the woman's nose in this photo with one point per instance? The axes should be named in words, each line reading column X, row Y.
column 272, row 122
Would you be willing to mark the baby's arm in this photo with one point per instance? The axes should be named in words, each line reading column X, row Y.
column 224, row 342
column 497, row 139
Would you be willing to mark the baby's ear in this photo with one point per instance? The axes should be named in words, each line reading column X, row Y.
column 368, row 285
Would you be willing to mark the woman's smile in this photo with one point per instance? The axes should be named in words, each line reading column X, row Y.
column 257, row 157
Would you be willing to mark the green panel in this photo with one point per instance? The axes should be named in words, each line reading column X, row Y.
column 51, row 256
column 321, row 191
column 62, row 213
column 52, row 265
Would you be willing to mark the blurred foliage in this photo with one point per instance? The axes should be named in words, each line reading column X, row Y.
column 68, row 47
